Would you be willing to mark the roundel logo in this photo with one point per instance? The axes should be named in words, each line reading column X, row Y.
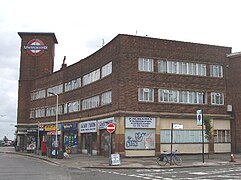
column 35, row 47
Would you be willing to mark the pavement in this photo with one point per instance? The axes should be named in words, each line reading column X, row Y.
column 101, row 162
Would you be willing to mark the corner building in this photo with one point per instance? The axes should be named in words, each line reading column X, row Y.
column 143, row 85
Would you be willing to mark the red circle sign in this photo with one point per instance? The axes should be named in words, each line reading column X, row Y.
column 35, row 47
column 110, row 128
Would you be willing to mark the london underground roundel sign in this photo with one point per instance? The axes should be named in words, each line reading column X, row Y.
column 110, row 128
column 35, row 47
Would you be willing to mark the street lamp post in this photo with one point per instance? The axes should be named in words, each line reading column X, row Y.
column 56, row 126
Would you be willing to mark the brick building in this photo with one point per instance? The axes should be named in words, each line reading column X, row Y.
column 143, row 85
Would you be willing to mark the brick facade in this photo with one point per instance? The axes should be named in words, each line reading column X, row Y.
column 124, row 51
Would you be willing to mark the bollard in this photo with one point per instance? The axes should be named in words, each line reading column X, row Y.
column 232, row 158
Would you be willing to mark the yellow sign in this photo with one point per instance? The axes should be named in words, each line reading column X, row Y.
column 51, row 127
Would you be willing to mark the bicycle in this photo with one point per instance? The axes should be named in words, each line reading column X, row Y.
column 166, row 158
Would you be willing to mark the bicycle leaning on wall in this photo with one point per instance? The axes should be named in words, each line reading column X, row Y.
column 169, row 158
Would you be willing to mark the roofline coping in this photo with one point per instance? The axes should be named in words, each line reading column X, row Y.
column 236, row 54
column 39, row 33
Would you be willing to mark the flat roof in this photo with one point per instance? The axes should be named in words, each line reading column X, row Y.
column 39, row 33
column 236, row 54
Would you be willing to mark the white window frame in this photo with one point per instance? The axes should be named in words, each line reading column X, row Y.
column 145, row 64
column 216, row 71
column 106, row 98
column 146, row 94
column 162, row 66
column 106, row 70
column 217, row 98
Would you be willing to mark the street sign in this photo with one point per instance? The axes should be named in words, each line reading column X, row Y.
column 177, row 126
column 199, row 117
column 110, row 128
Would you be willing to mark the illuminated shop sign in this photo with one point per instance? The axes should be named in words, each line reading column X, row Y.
column 35, row 47
column 140, row 122
column 88, row 126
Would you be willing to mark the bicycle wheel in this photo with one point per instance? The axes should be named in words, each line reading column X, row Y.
column 177, row 160
column 162, row 161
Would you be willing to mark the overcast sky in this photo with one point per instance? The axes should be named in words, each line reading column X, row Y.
column 80, row 27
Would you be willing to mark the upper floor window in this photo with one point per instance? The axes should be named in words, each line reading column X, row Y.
column 71, row 85
column 216, row 71
column 189, row 97
column 72, row 107
column 217, row 98
column 56, row 90
column 146, row 94
column 106, row 69
column 176, row 67
column 90, row 103
column 106, row 98
column 40, row 112
column 91, row 77
column 38, row 94
column 145, row 64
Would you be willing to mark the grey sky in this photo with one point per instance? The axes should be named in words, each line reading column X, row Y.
column 80, row 27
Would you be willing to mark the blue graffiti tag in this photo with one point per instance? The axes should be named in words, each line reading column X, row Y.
column 139, row 136
column 131, row 142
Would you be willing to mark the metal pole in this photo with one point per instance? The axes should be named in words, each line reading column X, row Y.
column 202, row 137
column 110, row 148
column 38, row 140
column 171, row 144
column 56, row 133
column 56, row 126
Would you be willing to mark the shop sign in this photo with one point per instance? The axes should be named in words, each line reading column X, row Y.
column 70, row 126
column 88, row 126
column 104, row 122
column 140, row 122
column 32, row 130
column 51, row 127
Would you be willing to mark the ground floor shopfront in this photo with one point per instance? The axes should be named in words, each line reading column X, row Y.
column 149, row 136
column 133, row 136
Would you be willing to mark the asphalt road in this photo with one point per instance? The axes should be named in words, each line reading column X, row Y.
column 13, row 166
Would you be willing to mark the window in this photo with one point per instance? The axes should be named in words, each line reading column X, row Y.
column 91, row 77
column 162, row 66
column 71, row 85
column 181, row 136
column 222, row 136
column 71, row 107
column 216, row 71
column 90, row 103
column 183, row 67
column 32, row 114
column 106, row 98
column 106, row 69
column 201, row 69
column 172, row 67
column 217, row 98
column 38, row 94
column 146, row 94
column 56, row 90
column 145, row 64
column 168, row 95
column 51, row 111
column 188, row 97
column 40, row 112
